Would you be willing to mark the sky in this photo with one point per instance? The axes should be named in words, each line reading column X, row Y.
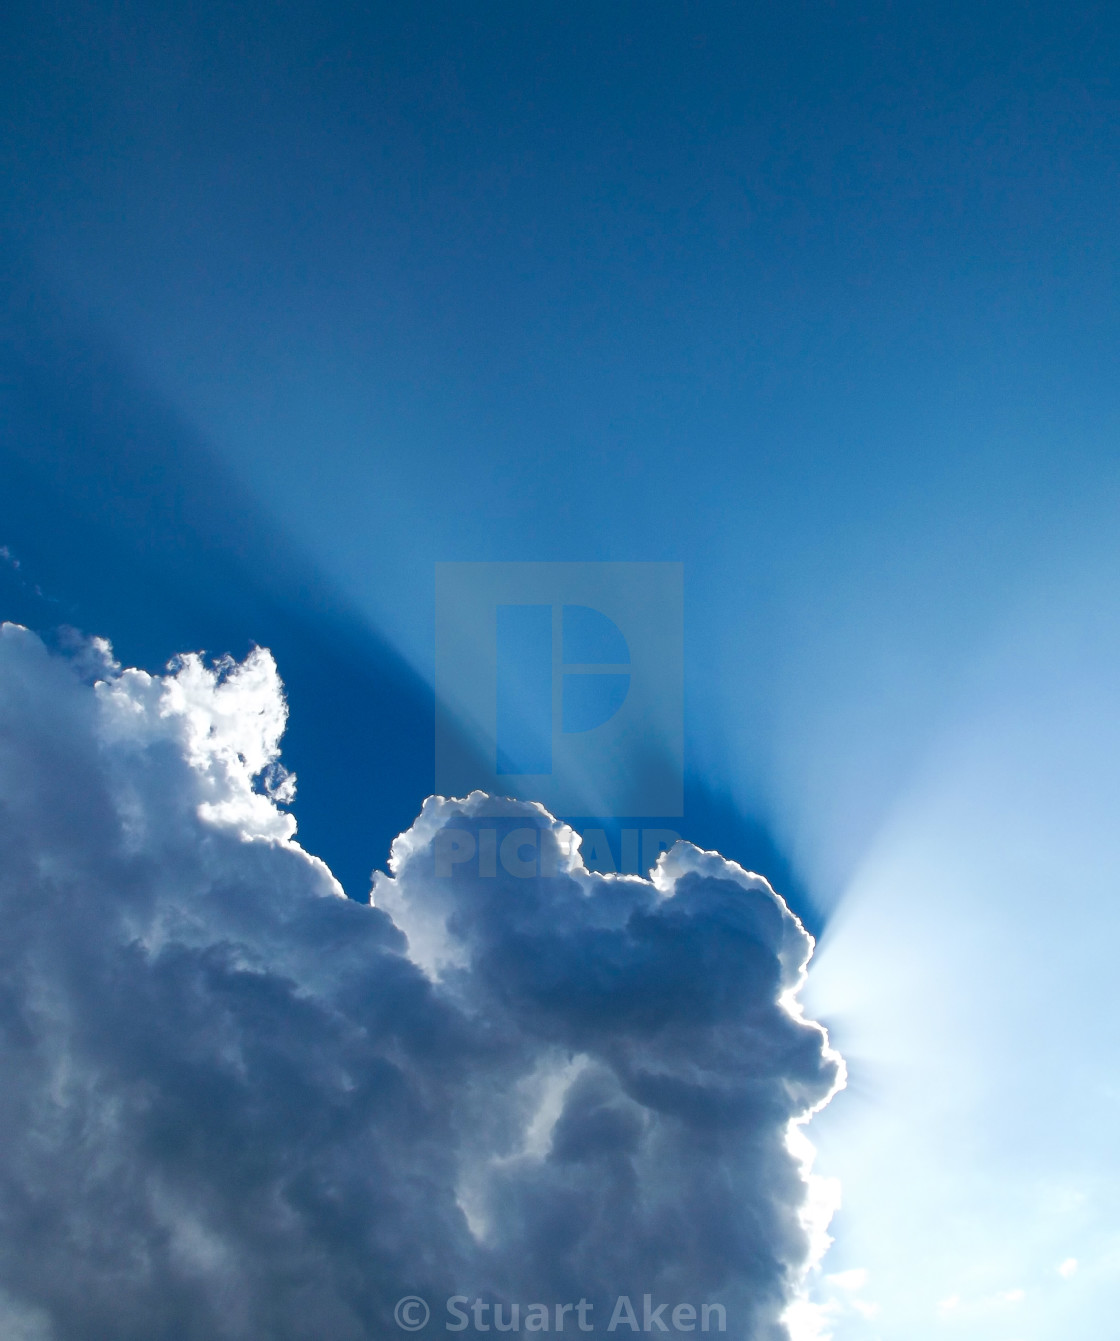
column 816, row 300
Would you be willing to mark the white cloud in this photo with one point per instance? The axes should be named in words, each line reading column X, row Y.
column 240, row 1106
column 980, row 1306
column 855, row 1279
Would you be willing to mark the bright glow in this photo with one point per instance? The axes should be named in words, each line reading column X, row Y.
column 966, row 976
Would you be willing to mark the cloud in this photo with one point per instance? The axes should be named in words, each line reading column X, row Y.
column 239, row 1105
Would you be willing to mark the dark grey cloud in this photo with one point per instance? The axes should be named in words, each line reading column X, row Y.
column 239, row 1106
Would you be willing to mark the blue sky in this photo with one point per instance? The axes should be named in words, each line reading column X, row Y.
column 819, row 300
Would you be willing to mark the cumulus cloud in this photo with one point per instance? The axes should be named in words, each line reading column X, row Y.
column 238, row 1105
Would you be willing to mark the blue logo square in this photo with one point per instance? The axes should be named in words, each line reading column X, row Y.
column 562, row 683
